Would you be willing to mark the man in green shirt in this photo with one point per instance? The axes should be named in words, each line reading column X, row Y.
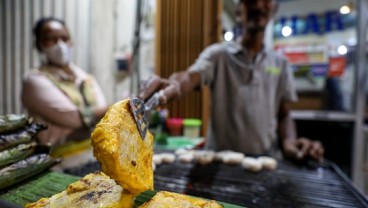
column 250, row 91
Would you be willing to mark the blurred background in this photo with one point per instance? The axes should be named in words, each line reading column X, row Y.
column 124, row 41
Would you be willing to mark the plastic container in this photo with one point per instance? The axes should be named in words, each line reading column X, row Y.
column 174, row 126
column 192, row 128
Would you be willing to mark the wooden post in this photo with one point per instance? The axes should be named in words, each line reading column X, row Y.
column 183, row 30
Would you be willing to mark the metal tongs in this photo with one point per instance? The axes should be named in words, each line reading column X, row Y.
column 141, row 109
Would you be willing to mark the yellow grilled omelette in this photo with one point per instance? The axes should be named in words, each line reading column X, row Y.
column 122, row 153
column 164, row 199
column 95, row 190
column 127, row 159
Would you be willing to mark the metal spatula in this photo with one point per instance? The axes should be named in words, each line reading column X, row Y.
column 141, row 110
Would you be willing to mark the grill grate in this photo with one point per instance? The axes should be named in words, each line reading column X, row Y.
column 288, row 186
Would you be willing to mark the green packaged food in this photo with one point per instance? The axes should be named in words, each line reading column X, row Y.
column 24, row 169
column 24, row 135
column 17, row 153
column 12, row 122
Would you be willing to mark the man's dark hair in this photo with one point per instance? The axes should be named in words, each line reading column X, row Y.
column 37, row 29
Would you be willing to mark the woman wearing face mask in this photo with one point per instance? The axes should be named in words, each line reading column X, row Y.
column 58, row 92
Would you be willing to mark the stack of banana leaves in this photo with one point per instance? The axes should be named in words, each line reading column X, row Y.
column 20, row 155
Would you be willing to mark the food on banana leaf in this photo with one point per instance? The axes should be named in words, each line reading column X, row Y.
column 17, row 153
column 92, row 191
column 122, row 153
column 24, row 135
column 12, row 122
column 164, row 199
column 24, row 169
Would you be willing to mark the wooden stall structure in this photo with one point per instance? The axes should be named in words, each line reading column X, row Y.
column 183, row 30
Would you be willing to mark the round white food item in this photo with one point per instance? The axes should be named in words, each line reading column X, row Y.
column 220, row 155
column 204, row 157
column 268, row 163
column 157, row 159
column 186, row 157
column 233, row 158
column 181, row 151
column 168, row 157
column 251, row 164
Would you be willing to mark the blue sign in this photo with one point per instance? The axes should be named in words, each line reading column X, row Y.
column 319, row 70
column 315, row 23
column 316, row 70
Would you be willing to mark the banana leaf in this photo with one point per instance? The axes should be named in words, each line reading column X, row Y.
column 12, row 122
column 24, row 135
column 24, row 169
column 16, row 154
column 50, row 183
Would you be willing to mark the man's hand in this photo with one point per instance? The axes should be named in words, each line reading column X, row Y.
column 171, row 89
column 168, row 89
column 302, row 148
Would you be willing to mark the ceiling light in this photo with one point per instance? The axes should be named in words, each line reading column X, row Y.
column 345, row 9
column 342, row 50
column 286, row 31
column 229, row 36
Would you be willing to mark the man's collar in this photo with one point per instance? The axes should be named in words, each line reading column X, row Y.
column 235, row 48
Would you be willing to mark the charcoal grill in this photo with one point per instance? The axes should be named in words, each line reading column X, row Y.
column 288, row 186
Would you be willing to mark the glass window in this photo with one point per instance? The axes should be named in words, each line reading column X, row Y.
column 319, row 39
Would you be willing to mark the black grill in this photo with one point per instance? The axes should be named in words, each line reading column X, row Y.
column 288, row 186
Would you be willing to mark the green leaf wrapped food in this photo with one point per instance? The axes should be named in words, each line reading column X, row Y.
column 17, row 153
column 24, row 135
column 24, row 169
column 12, row 122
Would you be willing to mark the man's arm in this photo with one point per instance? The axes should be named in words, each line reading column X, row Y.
column 296, row 148
column 287, row 132
column 286, row 123
column 177, row 85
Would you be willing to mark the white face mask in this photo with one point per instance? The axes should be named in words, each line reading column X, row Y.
column 59, row 54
